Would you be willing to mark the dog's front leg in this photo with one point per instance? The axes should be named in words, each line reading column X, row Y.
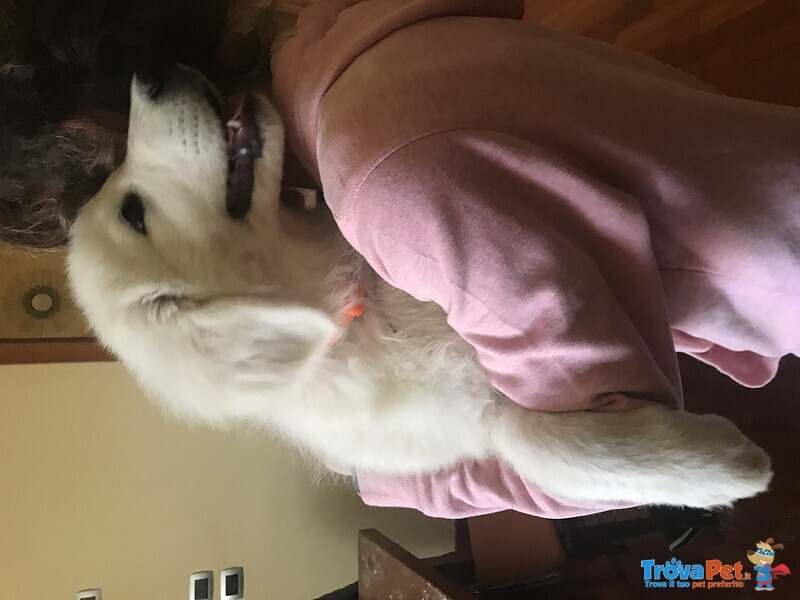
column 649, row 455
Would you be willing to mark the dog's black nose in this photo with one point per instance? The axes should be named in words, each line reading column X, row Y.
column 151, row 77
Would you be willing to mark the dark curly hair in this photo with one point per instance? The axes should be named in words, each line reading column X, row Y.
column 66, row 69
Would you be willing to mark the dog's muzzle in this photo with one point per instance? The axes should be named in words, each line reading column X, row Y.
column 157, row 81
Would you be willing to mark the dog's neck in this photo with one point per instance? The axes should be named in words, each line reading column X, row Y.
column 316, row 263
column 322, row 270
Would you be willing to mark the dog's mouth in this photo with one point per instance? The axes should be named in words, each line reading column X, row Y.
column 244, row 148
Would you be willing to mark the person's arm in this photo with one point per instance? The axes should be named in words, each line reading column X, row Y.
column 546, row 272
column 525, row 279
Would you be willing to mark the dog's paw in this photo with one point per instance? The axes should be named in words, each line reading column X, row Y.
column 646, row 456
column 719, row 464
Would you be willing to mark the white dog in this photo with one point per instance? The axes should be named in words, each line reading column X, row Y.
column 228, row 306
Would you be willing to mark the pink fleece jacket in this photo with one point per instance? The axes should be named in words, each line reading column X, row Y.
column 579, row 211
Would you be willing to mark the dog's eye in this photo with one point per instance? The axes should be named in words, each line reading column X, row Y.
column 132, row 213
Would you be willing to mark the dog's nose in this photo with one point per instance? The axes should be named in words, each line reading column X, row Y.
column 151, row 77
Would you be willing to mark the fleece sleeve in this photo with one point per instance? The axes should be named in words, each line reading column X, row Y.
column 469, row 489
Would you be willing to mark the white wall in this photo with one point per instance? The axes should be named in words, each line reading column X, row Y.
column 97, row 486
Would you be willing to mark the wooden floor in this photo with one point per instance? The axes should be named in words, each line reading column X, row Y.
column 745, row 48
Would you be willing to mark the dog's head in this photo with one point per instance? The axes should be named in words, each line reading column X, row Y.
column 65, row 70
column 764, row 554
column 178, row 261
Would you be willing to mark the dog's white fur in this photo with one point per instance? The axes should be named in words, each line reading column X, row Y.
column 226, row 321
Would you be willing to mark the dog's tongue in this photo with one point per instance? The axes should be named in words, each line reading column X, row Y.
column 244, row 146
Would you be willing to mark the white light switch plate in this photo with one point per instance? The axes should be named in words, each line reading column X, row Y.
column 231, row 584
column 89, row 595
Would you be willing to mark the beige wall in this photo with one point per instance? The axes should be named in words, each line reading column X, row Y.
column 95, row 485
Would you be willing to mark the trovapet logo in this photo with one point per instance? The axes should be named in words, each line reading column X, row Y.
column 715, row 574
column 708, row 575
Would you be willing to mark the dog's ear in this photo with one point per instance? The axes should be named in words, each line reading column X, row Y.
column 777, row 546
column 260, row 341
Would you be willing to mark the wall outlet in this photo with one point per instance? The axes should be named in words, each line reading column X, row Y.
column 201, row 586
column 89, row 595
column 231, row 584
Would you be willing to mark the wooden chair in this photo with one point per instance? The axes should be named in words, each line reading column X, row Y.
column 509, row 555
